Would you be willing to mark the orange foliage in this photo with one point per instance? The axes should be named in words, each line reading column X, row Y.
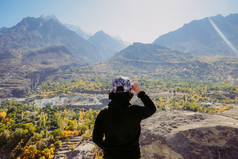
column 3, row 115
column 68, row 133
column 31, row 152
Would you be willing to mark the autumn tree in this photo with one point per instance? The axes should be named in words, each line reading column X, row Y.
column 3, row 115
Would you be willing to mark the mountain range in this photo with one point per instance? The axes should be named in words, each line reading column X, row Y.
column 36, row 48
column 79, row 31
column 35, row 33
column 106, row 44
column 207, row 37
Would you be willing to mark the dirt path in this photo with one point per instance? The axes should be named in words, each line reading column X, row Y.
column 61, row 153
column 83, row 150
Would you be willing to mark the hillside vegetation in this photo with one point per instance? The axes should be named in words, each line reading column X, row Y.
column 33, row 132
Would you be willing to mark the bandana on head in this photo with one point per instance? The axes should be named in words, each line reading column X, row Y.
column 121, row 85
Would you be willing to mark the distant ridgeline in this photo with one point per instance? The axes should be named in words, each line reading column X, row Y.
column 34, row 33
column 162, row 62
column 208, row 37
column 40, row 49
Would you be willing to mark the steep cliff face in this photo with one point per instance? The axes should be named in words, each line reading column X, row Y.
column 18, row 83
column 38, row 77
column 24, row 71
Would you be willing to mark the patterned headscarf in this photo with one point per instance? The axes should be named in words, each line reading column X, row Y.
column 121, row 85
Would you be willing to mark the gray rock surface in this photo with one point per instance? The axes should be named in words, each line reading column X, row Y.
column 182, row 134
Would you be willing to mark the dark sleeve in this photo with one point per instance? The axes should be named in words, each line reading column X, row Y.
column 149, row 106
column 98, row 131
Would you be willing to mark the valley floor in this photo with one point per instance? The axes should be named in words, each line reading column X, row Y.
column 170, row 134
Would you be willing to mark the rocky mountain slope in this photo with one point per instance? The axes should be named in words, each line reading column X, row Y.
column 209, row 36
column 163, row 62
column 78, row 30
column 36, row 48
column 21, row 72
column 106, row 44
column 35, row 33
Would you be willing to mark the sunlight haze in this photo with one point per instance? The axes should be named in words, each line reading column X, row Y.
column 131, row 20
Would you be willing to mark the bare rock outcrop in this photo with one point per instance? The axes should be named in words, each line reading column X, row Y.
column 186, row 135
column 26, row 70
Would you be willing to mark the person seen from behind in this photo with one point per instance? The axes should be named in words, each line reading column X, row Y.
column 117, row 127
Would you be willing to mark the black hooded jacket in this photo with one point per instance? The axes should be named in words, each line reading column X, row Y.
column 119, row 123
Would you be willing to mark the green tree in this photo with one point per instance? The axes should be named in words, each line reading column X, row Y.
column 4, row 136
column 58, row 144
column 57, row 133
column 67, row 140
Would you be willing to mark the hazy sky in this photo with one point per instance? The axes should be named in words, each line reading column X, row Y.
column 131, row 20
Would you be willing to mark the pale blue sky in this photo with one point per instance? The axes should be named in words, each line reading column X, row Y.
column 132, row 20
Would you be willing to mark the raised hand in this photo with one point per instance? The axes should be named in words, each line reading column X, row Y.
column 136, row 87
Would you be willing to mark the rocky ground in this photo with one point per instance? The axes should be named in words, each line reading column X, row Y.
column 183, row 134
column 79, row 100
